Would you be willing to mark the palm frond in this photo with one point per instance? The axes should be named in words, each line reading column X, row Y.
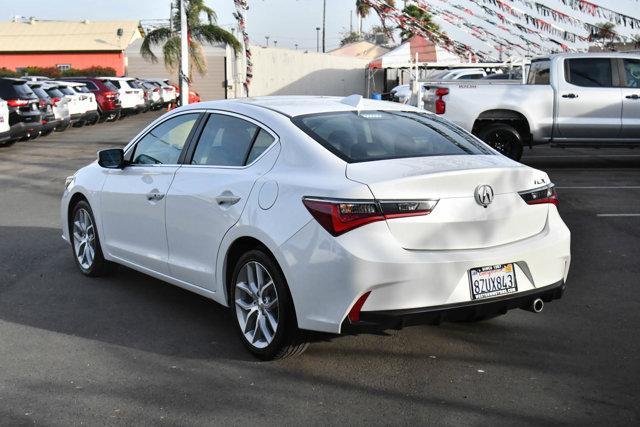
column 213, row 34
column 155, row 37
column 197, row 58
column 171, row 52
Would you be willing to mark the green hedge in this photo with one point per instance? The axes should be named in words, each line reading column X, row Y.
column 53, row 72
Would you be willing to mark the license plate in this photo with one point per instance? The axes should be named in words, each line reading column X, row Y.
column 492, row 281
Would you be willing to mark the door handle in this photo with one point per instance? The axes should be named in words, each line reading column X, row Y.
column 154, row 196
column 634, row 96
column 227, row 198
column 570, row 95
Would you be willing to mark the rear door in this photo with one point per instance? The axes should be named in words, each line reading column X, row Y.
column 133, row 199
column 630, row 99
column 210, row 191
column 589, row 101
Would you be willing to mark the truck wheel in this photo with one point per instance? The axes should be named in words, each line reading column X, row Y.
column 503, row 138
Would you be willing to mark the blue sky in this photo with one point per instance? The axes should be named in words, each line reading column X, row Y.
column 286, row 21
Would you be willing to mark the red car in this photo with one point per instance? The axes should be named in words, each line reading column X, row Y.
column 193, row 95
column 106, row 94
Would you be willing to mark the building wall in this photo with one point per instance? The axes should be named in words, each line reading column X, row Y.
column 297, row 72
column 209, row 87
column 77, row 60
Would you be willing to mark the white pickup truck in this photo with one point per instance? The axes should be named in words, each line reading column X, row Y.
column 578, row 99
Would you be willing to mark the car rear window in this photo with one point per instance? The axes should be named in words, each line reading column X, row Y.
column 380, row 135
column 114, row 83
column 82, row 89
column 16, row 90
column 66, row 90
column 40, row 92
column 55, row 93
column 109, row 85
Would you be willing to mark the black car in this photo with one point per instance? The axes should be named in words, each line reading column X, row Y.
column 49, row 120
column 25, row 117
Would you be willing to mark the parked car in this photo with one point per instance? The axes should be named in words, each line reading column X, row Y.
column 168, row 91
column 402, row 93
column 154, row 98
column 131, row 98
column 106, row 94
column 323, row 214
column 77, row 106
column 5, row 129
column 570, row 100
column 91, row 115
column 50, row 121
column 24, row 112
column 60, row 105
column 194, row 97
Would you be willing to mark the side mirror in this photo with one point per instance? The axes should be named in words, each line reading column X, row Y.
column 113, row 158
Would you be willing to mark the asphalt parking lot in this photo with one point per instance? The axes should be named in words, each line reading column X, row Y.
column 129, row 349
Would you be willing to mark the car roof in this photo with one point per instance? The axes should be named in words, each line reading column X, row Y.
column 300, row 105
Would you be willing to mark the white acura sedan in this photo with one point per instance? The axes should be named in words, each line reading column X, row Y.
column 322, row 214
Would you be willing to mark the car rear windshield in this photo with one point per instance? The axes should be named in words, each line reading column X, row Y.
column 134, row 84
column 55, row 93
column 16, row 90
column 42, row 94
column 110, row 86
column 82, row 89
column 114, row 83
column 66, row 90
column 380, row 135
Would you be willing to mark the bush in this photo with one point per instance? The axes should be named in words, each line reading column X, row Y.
column 55, row 73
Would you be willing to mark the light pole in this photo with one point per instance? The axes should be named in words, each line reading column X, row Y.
column 296, row 46
column 317, row 39
column 184, row 55
column 267, row 38
column 324, row 24
column 275, row 43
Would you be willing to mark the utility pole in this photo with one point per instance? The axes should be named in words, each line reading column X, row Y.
column 317, row 39
column 275, row 43
column 296, row 46
column 351, row 22
column 324, row 24
column 184, row 55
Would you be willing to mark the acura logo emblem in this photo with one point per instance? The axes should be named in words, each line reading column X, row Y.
column 484, row 195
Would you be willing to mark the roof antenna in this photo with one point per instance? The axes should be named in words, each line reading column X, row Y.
column 353, row 101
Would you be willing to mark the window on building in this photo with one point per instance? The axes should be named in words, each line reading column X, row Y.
column 63, row 67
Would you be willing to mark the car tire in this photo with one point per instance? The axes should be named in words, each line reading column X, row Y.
column 85, row 242
column 259, row 304
column 503, row 138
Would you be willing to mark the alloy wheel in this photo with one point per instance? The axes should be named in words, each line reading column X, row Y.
column 84, row 238
column 256, row 301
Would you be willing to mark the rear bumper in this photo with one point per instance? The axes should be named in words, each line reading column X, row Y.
column 397, row 319
column 5, row 136
column 327, row 275
column 20, row 130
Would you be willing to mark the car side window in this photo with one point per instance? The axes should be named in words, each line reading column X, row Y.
column 589, row 72
column 164, row 143
column 632, row 73
column 539, row 72
column 230, row 141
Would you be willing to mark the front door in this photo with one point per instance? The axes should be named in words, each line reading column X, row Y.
column 210, row 191
column 589, row 105
column 133, row 199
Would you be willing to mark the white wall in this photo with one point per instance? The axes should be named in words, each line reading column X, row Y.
column 294, row 72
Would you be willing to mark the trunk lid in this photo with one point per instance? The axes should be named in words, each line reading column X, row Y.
column 458, row 221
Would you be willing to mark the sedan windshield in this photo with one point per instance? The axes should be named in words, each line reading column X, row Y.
column 380, row 135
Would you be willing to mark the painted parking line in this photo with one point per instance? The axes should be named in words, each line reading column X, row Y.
column 620, row 214
column 601, row 187
column 579, row 155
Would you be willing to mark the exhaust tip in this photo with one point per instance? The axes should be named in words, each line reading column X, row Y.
column 537, row 305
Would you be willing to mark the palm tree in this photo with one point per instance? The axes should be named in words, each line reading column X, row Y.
column 363, row 9
column 606, row 31
column 422, row 17
column 199, row 33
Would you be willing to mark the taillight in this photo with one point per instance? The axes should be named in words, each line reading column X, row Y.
column 340, row 216
column 441, row 106
column 42, row 103
column 157, row 90
column 17, row 102
column 110, row 95
column 55, row 101
column 546, row 194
